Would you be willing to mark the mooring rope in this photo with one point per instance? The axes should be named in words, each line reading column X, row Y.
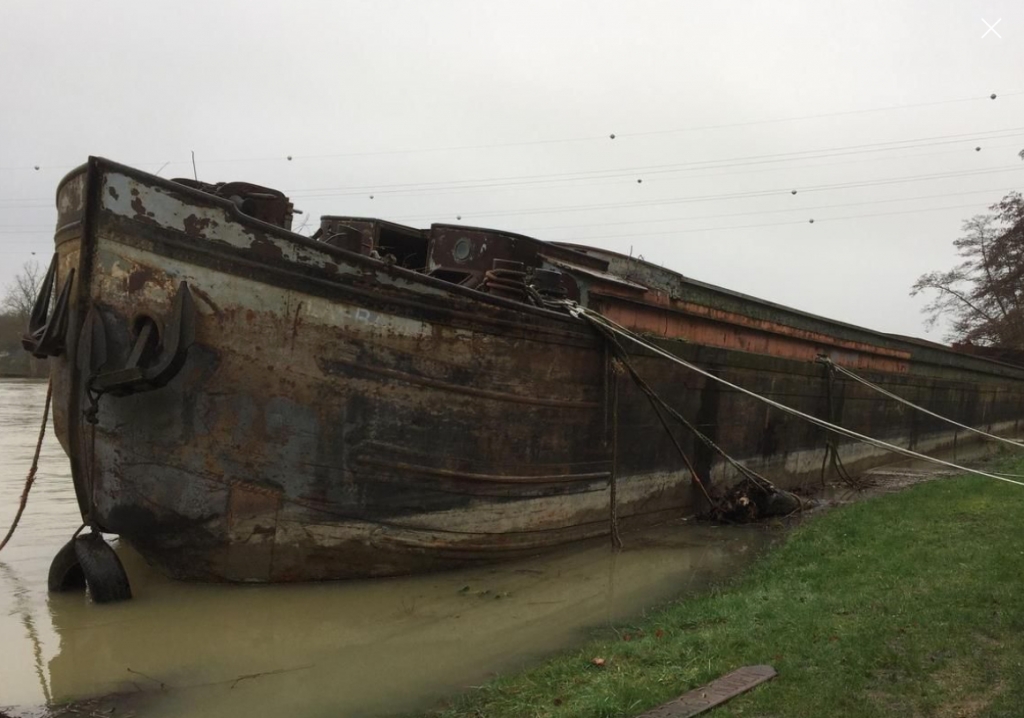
column 756, row 478
column 831, row 450
column 30, row 479
column 657, row 403
column 843, row 370
column 579, row 311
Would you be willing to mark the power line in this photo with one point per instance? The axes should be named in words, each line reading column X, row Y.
column 720, row 197
column 758, row 212
column 16, row 229
column 831, row 114
column 663, row 168
column 616, row 179
column 814, row 220
column 678, row 130
column 619, row 173
column 587, row 138
column 620, row 179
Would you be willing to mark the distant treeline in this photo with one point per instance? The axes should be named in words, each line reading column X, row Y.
column 15, row 361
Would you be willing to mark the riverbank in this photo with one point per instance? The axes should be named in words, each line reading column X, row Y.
column 907, row 604
column 345, row 648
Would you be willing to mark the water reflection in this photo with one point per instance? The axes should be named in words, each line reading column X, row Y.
column 358, row 648
column 22, row 607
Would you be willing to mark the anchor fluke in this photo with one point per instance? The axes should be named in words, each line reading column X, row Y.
column 46, row 329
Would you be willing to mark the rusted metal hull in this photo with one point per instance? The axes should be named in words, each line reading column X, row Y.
column 329, row 414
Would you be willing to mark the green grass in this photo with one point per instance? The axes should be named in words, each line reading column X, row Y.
column 909, row 604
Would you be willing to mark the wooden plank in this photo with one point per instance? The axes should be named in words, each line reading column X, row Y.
column 714, row 693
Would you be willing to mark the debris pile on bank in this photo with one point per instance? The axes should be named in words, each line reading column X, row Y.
column 749, row 501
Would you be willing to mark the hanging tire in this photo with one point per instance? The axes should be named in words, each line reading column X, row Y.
column 65, row 571
column 104, row 574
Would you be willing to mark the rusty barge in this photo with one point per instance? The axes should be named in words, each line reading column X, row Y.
column 243, row 403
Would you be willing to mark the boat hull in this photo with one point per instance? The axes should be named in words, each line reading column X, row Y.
column 335, row 416
column 328, row 423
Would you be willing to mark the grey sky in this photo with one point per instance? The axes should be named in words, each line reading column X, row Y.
column 363, row 96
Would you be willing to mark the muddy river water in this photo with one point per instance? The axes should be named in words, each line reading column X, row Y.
column 355, row 648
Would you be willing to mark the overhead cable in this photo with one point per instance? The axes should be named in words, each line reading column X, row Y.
column 611, row 136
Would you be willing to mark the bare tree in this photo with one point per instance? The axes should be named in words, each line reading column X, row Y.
column 15, row 309
column 983, row 295
column 20, row 294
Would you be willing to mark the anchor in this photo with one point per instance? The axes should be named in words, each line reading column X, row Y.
column 152, row 362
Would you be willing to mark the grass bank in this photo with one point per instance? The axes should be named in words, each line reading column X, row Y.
column 910, row 604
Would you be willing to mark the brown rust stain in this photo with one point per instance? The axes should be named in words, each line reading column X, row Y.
column 195, row 227
column 713, row 327
column 139, row 277
column 112, row 191
column 140, row 209
column 266, row 249
column 295, row 323
column 141, row 213
column 778, row 328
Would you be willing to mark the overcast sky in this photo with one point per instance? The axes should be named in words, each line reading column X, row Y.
column 501, row 114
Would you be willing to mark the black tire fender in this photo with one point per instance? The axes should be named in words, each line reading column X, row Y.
column 104, row 574
column 65, row 571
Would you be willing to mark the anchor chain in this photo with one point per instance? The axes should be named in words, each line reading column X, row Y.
column 91, row 415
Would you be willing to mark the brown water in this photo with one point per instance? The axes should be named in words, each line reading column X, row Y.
column 356, row 648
